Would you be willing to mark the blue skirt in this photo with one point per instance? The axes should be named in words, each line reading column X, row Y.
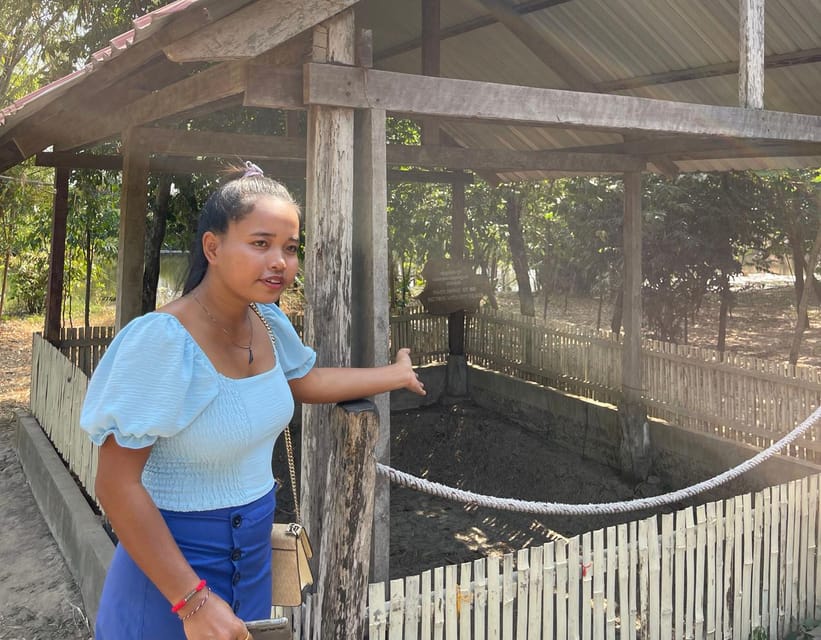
column 230, row 548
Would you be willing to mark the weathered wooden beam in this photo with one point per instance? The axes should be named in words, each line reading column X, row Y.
column 635, row 440
column 131, row 252
column 342, row 585
column 751, row 54
column 274, row 88
column 253, row 30
column 208, row 86
column 550, row 56
column 328, row 223
column 431, row 60
column 806, row 56
column 56, row 258
column 276, row 168
column 219, row 144
column 698, row 147
column 370, row 298
column 492, row 102
column 473, row 24
column 500, row 160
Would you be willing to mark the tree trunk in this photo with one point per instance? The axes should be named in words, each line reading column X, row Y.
column 154, row 236
column 618, row 307
column 801, row 322
column 722, row 315
column 6, row 260
column 517, row 252
column 89, row 252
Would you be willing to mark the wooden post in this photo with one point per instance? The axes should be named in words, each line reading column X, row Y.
column 635, row 435
column 457, row 366
column 57, row 255
column 751, row 53
column 371, row 332
column 431, row 60
column 133, row 209
column 342, row 588
column 328, row 263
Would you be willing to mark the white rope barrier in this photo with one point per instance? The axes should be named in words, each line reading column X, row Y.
column 557, row 508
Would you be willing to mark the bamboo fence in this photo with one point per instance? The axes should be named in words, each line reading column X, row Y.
column 742, row 568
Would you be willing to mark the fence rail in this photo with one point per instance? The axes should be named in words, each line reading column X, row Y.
column 736, row 397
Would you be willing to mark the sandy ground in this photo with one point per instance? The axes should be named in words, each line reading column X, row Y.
column 461, row 446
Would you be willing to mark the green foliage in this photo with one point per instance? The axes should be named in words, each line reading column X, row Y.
column 30, row 280
column 759, row 633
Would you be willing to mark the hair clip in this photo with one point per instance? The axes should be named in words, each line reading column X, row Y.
column 251, row 170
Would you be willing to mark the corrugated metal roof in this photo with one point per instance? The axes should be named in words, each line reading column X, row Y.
column 144, row 26
column 607, row 40
column 612, row 40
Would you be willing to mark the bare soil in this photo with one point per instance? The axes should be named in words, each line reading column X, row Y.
column 461, row 446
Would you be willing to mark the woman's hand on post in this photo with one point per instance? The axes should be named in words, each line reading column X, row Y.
column 413, row 382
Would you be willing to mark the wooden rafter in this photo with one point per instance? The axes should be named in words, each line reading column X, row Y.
column 254, row 30
column 466, row 27
column 806, row 56
column 491, row 102
column 550, row 56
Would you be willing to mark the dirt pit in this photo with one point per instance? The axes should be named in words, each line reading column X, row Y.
column 471, row 448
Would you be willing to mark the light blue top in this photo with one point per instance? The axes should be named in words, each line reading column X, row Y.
column 212, row 436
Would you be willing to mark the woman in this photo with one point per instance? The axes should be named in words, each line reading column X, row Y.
column 186, row 406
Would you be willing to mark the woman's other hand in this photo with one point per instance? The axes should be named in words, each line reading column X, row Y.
column 212, row 619
column 413, row 383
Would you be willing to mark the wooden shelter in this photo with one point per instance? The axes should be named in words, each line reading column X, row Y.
column 509, row 90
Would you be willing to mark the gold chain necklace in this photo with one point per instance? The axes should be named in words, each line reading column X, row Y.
column 248, row 348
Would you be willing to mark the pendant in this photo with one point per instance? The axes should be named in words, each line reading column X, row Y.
column 250, row 355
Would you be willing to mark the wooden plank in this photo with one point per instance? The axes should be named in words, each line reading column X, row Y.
column 534, row 605
column 701, row 540
column 508, row 597
column 774, row 61
column 209, row 86
column 747, row 567
column 377, row 616
column 464, row 600
column 328, row 263
column 369, row 263
column 451, row 603
column 439, row 603
column 667, row 574
column 131, row 251
column 574, row 587
column 600, row 571
column 451, row 98
column 219, row 144
column 561, row 589
column 587, row 586
column 751, row 54
column 494, row 585
column 273, row 87
column 397, row 610
column 253, row 30
column 548, row 590
column 479, row 599
column 566, row 68
column 412, row 608
column 426, row 605
column 522, row 592
column 626, row 618
column 679, row 573
column 510, row 160
column 710, row 596
column 56, row 256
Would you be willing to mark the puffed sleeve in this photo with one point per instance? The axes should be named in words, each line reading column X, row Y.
column 295, row 358
column 152, row 382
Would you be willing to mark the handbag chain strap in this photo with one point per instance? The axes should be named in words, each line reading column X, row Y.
column 289, row 447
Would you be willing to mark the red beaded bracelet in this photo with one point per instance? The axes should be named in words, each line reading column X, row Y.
column 187, row 597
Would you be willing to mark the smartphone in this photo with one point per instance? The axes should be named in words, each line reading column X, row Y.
column 271, row 629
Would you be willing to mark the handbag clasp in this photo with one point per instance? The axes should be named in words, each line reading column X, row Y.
column 294, row 529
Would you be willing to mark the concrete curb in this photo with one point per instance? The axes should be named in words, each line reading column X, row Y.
column 78, row 531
